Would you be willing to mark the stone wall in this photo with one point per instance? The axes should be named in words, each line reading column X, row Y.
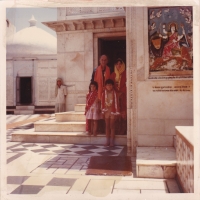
column 185, row 158
column 43, row 73
column 163, row 102
column 45, row 81
column 9, row 84
column 162, row 105
column 75, row 64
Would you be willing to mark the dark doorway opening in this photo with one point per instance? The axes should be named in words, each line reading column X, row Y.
column 25, row 90
column 114, row 48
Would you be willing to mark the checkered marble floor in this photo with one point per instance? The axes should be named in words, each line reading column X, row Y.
column 43, row 170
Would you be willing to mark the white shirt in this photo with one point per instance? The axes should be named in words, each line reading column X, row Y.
column 60, row 98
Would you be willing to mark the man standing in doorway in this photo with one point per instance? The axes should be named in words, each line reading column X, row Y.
column 101, row 74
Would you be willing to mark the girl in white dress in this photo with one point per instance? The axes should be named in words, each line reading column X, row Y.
column 92, row 109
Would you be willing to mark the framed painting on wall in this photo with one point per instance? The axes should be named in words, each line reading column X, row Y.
column 170, row 38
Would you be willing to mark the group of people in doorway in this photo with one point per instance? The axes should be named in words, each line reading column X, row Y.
column 105, row 108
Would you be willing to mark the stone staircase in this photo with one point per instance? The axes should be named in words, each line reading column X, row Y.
column 69, row 128
column 156, row 162
column 66, row 127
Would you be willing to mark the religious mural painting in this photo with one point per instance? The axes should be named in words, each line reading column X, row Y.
column 170, row 39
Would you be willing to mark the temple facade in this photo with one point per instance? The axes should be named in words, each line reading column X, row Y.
column 31, row 67
column 159, row 71
column 156, row 45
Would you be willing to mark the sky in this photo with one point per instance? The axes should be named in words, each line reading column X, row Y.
column 19, row 17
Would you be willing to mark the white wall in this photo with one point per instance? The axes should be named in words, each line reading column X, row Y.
column 159, row 110
column 75, row 64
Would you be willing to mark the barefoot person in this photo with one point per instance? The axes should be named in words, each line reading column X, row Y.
column 60, row 93
column 92, row 109
column 109, row 105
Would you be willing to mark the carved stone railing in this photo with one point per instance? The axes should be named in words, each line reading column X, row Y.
column 92, row 10
column 185, row 158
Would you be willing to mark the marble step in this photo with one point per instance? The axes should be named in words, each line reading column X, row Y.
column 23, row 112
column 25, row 107
column 53, row 126
column 156, row 162
column 71, row 116
column 79, row 108
column 63, row 137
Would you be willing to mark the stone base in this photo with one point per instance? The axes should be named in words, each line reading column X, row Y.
column 70, row 117
column 79, row 108
column 53, row 126
column 65, row 138
column 23, row 112
column 156, row 162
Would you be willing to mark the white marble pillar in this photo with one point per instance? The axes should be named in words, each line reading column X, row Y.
column 131, row 80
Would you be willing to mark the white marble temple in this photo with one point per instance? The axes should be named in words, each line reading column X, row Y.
column 88, row 66
column 74, row 63
column 74, row 42
column 9, row 91
column 61, row 43
column 9, row 68
column 151, row 126
column 164, row 105
column 23, row 68
column 47, row 68
column 61, row 69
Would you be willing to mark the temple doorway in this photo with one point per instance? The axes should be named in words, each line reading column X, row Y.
column 24, row 90
column 113, row 47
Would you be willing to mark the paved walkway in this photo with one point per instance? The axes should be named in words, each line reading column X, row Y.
column 42, row 170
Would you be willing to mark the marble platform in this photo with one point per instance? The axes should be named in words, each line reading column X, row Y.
column 64, row 137
column 156, row 162
column 24, row 110
column 66, row 128
column 54, row 126
column 79, row 108
column 73, row 116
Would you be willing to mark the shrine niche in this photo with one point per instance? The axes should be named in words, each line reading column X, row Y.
column 170, row 38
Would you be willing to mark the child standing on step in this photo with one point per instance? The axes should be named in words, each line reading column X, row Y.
column 110, row 110
column 92, row 109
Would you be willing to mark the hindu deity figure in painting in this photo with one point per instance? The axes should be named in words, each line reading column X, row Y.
column 170, row 39
column 174, row 43
column 175, row 46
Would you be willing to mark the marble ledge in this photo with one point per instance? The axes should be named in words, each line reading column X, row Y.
column 186, row 132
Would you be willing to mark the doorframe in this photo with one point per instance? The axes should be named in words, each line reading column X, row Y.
column 17, row 83
column 103, row 35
